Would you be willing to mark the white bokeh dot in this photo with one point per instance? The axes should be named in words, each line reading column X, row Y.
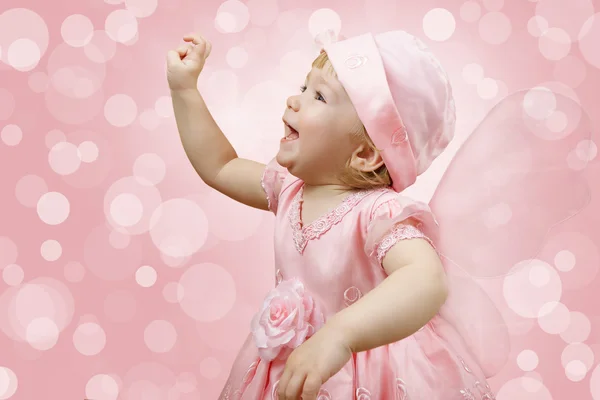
column 13, row 275
column 577, row 351
column 77, row 30
column 586, row 150
column 160, row 336
column 23, row 54
column 101, row 49
column 29, row 189
column 126, row 209
column 8, row 383
column 119, row 238
column 473, row 73
column 51, row 250
column 129, row 203
column 64, row 158
column 439, row 24
column 141, row 8
column 204, row 282
column 527, row 360
column 121, row 26
column 576, row 371
column 532, row 382
column 232, row 16
column 524, row 297
column 579, row 328
column 526, row 387
column 487, row 88
column 493, row 5
column 102, row 387
column 149, row 168
column 42, row 333
column 539, row 275
column 145, row 276
column 164, row 106
column 536, row 26
column 120, row 110
column 595, row 383
column 173, row 292
column 495, row 28
column 470, row 11
column 178, row 228
column 557, row 122
column 53, row 208
column 322, row 20
column 89, row 339
column 149, row 119
column 53, row 137
column 588, row 40
column 11, row 135
column 554, row 318
column 7, row 102
column 237, row 57
column 88, row 151
column 554, row 44
column 539, row 103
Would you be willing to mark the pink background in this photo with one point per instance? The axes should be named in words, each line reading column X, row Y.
column 125, row 277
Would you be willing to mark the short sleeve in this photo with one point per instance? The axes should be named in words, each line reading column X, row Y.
column 272, row 183
column 396, row 219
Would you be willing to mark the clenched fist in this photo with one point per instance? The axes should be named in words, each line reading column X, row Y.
column 186, row 62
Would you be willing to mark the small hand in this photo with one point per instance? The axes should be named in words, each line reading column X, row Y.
column 186, row 62
column 312, row 363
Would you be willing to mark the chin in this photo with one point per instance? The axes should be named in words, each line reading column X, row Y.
column 283, row 159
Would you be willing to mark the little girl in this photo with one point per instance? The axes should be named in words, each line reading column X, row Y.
column 355, row 313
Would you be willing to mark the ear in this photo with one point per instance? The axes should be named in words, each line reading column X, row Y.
column 365, row 158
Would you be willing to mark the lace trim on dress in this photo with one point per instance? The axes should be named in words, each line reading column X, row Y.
column 322, row 224
column 400, row 232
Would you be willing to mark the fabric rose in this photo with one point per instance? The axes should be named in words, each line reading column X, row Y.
column 288, row 317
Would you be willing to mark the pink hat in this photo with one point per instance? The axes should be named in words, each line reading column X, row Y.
column 403, row 98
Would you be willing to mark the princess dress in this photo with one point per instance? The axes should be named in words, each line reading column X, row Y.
column 516, row 176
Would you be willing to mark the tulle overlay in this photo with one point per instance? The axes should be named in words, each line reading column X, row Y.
column 423, row 366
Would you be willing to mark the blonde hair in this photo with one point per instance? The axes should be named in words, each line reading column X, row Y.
column 351, row 176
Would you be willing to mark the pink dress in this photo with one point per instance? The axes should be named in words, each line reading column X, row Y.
column 328, row 265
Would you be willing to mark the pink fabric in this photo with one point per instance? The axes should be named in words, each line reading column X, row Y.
column 361, row 71
column 402, row 96
column 288, row 317
column 334, row 261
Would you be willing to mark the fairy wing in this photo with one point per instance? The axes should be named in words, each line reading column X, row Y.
column 519, row 174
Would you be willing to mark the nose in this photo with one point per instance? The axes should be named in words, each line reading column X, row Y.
column 293, row 102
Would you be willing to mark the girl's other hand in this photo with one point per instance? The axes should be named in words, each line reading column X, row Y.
column 185, row 63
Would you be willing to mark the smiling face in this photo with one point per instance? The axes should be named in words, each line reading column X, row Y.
column 320, row 130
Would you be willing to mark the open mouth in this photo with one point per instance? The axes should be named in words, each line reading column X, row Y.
column 290, row 133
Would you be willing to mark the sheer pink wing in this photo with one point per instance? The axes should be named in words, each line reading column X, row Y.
column 519, row 174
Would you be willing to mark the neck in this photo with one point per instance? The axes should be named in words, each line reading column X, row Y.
column 320, row 191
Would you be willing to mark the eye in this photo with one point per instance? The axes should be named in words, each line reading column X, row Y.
column 318, row 96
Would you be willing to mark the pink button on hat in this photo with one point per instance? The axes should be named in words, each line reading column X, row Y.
column 403, row 98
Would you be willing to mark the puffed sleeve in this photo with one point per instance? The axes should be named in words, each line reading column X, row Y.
column 272, row 183
column 396, row 219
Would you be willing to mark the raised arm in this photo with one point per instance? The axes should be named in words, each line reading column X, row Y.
column 207, row 148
